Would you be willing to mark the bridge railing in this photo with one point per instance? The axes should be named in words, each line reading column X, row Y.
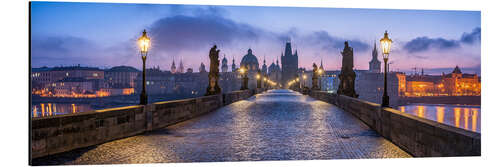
column 57, row 134
column 418, row 136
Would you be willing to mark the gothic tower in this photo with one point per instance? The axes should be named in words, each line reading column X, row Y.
column 289, row 64
column 374, row 63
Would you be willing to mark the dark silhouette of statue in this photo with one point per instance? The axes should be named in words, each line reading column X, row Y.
column 315, row 77
column 213, row 76
column 347, row 75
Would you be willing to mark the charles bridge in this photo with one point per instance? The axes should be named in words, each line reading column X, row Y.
column 249, row 124
column 256, row 124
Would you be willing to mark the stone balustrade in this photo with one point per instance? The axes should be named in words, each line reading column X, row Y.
column 52, row 135
column 418, row 136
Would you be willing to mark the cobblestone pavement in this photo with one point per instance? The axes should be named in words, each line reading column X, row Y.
column 276, row 125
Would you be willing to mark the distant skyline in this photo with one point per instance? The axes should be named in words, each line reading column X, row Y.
column 104, row 35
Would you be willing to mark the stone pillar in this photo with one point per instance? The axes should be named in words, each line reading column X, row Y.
column 148, row 110
column 213, row 76
column 347, row 75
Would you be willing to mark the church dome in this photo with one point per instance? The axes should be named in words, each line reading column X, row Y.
column 249, row 61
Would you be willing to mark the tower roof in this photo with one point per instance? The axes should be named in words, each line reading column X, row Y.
column 457, row 70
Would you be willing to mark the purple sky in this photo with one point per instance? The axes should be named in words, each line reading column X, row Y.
column 105, row 34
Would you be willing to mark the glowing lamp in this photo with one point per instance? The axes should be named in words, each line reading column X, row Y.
column 385, row 43
column 144, row 43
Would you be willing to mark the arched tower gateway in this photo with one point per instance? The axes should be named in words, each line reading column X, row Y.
column 224, row 66
column 374, row 63
column 250, row 62
column 289, row 64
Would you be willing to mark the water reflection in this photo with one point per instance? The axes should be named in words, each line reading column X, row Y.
column 462, row 116
column 51, row 109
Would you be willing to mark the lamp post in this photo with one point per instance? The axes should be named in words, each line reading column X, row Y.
column 244, row 84
column 320, row 74
column 304, row 77
column 265, row 82
column 144, row 44
column 385, row 43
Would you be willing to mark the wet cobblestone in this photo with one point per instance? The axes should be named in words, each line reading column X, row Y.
column 276, row 125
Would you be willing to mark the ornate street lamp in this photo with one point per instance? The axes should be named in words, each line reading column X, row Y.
column 144, row 44
column 385, row 43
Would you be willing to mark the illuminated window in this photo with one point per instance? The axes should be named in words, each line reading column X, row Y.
column 67, row 74
column 95, row 74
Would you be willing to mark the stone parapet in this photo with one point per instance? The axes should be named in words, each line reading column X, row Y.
column 418, row 136
column 52, row 135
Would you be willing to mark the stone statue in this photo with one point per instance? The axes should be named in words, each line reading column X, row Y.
column 213, row 76
column 347, row 75
column 315, row 77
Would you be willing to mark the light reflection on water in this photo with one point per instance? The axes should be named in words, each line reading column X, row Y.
column 52, row 109
column 462, row 116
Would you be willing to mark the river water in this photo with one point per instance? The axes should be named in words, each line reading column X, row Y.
column 52, row 109
column 462, row 116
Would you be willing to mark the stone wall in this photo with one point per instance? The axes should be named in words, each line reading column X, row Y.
column 51, row 135
column 237, row 96
column 417, row 136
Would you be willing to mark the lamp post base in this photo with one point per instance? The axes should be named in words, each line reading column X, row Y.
column 385, row 101
column 144, row 99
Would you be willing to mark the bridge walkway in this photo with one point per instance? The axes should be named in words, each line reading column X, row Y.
column 274, row 125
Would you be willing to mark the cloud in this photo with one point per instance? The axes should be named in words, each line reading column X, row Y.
column 424, row 43
column 181, row 32
column 421, row 44
column 474, row 36
column 332, row 43
column 71, row 50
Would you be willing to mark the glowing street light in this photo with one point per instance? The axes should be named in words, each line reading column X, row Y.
column 244, row 84
column 385, row 43
column 144, row 44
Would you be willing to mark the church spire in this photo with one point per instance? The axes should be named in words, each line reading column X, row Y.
column 172, row 67
column 321, row 66
column 181, row 67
